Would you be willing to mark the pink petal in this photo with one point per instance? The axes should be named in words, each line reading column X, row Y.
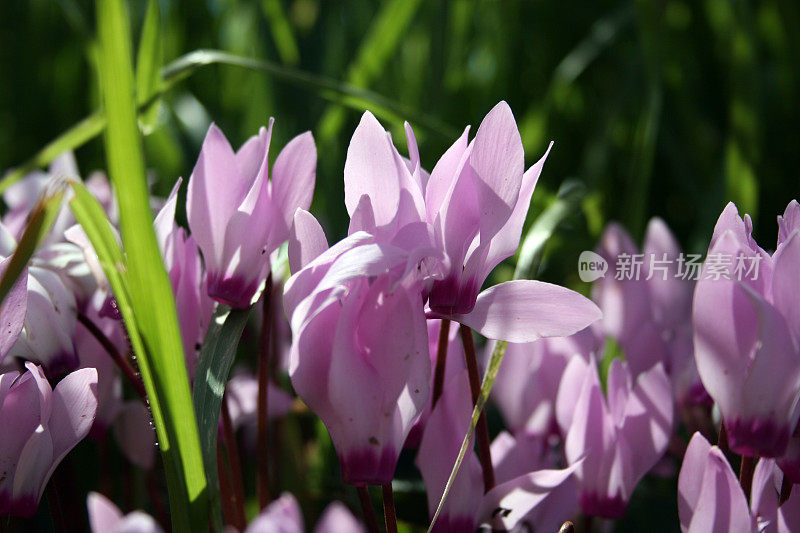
column 497, row 160
column 293, row 176
column 281, row 516
column 721, row 506
column 306, row 240
column 443, row 175
column 542, row 500
column 647, row 425
column 74, row 409
column 524, row 310
column 505, row 243
column 786, row 283
column 216, row 189
column 671, row 298
column 441, row 441
column 12, row 310
column 337, row 518
column 789, row 222
column 32, row 472
column 371, row 169
column 690, row 479
column 104, row 516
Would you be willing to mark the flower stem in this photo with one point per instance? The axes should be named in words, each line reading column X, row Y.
column 441, row 360
column 235, row 465
column 746, row 474
column 482, row 429
column 121, row 361
column 389, row 513
column 262, row 459
column 366, row 508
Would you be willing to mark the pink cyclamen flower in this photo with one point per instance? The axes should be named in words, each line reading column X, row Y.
column 747, row 335
column 40, row 426
column 367, row 384
column 527, row 383
column 105, row 517
column 711, row 500
column 238, row 216
column 525, row 495
column 459, row 223
column 619, row 437
column 647, row 301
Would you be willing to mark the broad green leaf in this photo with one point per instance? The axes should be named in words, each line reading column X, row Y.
column 149, row 288
column 148, row 65
column 567, row 203
column 41, row 220
column 211, row 375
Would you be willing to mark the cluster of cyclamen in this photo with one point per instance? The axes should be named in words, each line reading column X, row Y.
column 375, row 354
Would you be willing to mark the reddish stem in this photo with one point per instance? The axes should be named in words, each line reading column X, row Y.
column 262, row 439
column 235, row 465
column 367, row 510
column 121, row 361
column 227, row 497
column 441, row 360
column 482, row 429
column 389, row 514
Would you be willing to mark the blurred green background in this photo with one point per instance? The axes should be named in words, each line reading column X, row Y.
column 660, row 108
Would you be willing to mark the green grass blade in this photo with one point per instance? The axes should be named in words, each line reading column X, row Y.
column 90, row 215
column 213, row 366
column 389, row 27
column 148, row 64
column 498, row 353
column 179, row 69
column 41, row 220
column 281, row 30
column 149, row 287
column 567, row 203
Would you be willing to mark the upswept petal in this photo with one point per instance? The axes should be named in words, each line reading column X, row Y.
column 506, row 241
column 12, row 310
column 789, row 222
column 371, row 169
column 786, row 282
column 443, row 175
column 690, row 479
column 293, row 178
column 525, row 310
column 281, row 516
column 306, row 240
column 31, row 473
column 74, row 409
column 670, row 296
column 216, row 189
column 498, row 162
column 647, row 424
